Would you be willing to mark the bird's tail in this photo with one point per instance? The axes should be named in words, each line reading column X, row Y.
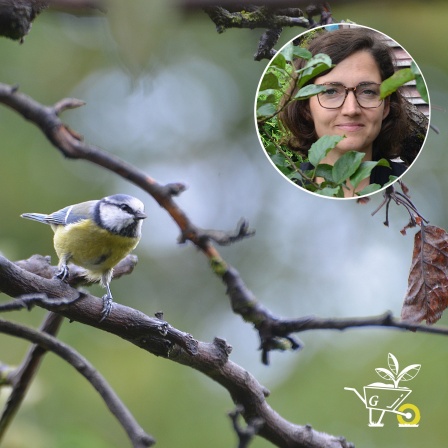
column 35, row 217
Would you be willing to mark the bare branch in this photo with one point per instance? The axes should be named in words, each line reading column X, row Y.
column 16, row 17
column 135, row 433
column 245, row 435
column 22, row 377
column 71, row 146
column 161, row 339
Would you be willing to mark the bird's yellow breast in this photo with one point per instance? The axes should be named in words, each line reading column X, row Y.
column 88, row 245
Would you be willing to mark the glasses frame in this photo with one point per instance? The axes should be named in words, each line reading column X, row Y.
column 347, row 90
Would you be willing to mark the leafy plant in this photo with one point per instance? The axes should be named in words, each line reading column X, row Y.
column 401, row 77
column 394, row 374
column 350, row 168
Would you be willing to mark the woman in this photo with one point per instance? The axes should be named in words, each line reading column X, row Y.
column 351, row 106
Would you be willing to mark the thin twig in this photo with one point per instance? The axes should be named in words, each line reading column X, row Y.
column 138, row 437
column 23, row 376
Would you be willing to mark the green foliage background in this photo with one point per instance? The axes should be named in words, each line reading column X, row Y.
column 168, row 93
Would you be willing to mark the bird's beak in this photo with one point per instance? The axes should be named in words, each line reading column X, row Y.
column 140, row 215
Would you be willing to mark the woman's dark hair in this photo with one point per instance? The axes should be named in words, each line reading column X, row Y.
column 339, row 45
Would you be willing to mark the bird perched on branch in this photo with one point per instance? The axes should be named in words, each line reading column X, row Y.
column 95, row 235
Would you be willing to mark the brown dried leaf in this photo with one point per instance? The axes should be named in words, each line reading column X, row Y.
column 427, row 295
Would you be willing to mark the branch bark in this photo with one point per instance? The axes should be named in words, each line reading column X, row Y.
column 161, row 339
column 46, row 342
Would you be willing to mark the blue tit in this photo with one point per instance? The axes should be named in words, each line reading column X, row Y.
column 95, row 235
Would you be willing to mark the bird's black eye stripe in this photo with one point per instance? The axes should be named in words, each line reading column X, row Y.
column 126, row 208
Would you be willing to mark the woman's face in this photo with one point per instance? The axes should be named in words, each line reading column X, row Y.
column 360, row 126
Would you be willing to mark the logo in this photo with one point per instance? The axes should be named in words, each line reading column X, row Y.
column 380, row 398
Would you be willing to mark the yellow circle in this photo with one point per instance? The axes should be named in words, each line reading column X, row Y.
column 405, row 408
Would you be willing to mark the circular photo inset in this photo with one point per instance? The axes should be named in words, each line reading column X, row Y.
column 342, row 111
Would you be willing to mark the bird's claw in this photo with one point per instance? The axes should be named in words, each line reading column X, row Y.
column 63, row 273
column 107, row 307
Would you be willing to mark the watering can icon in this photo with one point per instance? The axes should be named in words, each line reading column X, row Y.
column 380, row 398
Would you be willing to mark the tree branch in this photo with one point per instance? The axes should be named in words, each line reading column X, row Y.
column 46, row 342
column 16, row 17
column 161, row 339
column 22, row 377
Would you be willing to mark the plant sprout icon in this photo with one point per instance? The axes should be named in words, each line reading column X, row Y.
column 380, row 397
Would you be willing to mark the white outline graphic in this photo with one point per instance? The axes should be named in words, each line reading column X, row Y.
column 380, row 398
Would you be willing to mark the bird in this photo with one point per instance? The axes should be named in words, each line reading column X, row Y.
column 95, row 235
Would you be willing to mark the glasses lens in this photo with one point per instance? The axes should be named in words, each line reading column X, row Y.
column 333, row 96
column 368, row 95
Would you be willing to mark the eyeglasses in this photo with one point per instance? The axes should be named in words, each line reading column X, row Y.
column 367, row 95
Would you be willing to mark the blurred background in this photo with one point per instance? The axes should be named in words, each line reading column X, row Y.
column 166, row 92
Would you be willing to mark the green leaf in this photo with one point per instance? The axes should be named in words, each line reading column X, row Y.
column 369, row 189
column 346, row 166
column 266, row 110
column 322, row 147
column 308, row 91
column 302, row 53
column 324, row 170
column 288, row 52
column 269, row 81
column 279, row 61
column 314, row 67
column 331, row 192
column 421, row 87
column 364, row 171
column 271, row 149
column 391, row 84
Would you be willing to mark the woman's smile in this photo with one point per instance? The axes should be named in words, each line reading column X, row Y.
column 349, row 126
column 360, row 125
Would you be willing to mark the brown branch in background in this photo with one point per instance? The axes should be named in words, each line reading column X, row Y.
column 245, row 435
column 16, row 17
column 161, row 339
column 21, row 378
column 243, row 301
column 138, row 437
column 192, row 5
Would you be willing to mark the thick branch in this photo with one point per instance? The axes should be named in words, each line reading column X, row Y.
column 135, row 433
column 257, row 17
column 16, row 17
column 153, row 334
column 160, row 338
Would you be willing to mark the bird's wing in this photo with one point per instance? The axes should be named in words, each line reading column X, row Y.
column 71, row 214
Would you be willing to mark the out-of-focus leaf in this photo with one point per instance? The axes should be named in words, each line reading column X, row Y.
column 303, row 53
column 324, row 170
column 391, row 84
column 369, row 189
column 266, row 110
column 427, row 294
column 269, row 81
column 365, row 169
column 346, row 165
column 322, row 147
column 309, row 91
column 313, row 68
column 288, row 52
column 421, row 87
column 331, row 192
column 279, row 61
